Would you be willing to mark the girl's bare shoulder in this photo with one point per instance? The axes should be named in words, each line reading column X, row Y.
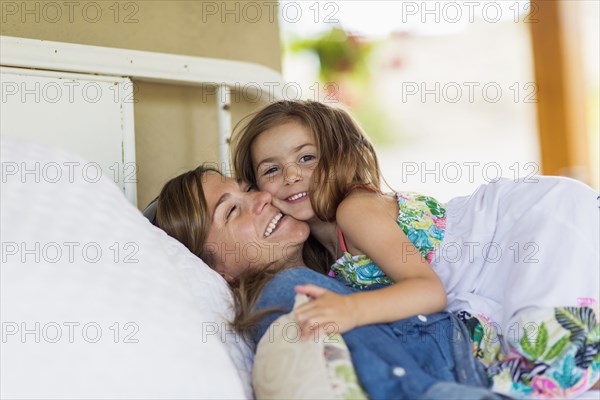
column 362, row 202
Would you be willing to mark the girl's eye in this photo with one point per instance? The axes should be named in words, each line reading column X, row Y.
column 307, row 158
column 270, row 171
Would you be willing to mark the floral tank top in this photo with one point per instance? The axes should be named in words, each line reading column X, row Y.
column 421, row 218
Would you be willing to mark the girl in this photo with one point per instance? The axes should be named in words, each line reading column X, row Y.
column 518, row 261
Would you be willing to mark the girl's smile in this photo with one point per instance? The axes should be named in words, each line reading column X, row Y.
column 298, row 197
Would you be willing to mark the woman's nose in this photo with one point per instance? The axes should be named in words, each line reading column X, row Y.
column 261, row 200
column 292, row 173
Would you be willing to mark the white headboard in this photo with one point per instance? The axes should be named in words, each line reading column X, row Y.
column 71, row 120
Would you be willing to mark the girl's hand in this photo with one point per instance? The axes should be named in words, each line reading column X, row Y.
column 326, row 313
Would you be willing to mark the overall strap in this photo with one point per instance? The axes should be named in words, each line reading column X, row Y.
column 342, row 240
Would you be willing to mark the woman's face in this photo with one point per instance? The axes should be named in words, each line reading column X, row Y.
column 246, row 230
column 284, row 158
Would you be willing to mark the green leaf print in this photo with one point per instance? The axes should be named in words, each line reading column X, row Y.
column 595, row 334
column 588, row 315
column 362, row 261
column 575, row 322
column 526, row 379
column 538, row 345
column 435, row 208
column 346, row 372
column 478, row 334
column 355, row 394
column 353, row 389
column 526, row 345
column 558, row 347
column 410, row 215
column 542, row 341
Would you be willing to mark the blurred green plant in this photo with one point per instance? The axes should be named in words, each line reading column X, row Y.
column 344, row 61
column 338, row 53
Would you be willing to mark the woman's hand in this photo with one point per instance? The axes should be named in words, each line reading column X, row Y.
column 326, row 313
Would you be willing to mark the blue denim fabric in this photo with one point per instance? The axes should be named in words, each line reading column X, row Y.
column 416, row 358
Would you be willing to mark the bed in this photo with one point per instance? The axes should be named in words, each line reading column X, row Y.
column 95, row 301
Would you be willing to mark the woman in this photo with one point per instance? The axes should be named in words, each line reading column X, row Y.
column 258, row 251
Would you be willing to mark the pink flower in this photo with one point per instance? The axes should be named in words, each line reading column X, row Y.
column 484, row 317
column 430, row 256
column 546, row 388
column 585, row 301
column 440, row 223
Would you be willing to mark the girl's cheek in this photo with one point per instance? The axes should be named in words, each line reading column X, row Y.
column 308, row 172
column 270, row 186
column 260, row 184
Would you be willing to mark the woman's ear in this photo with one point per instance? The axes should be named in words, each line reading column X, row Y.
column 221, row 272
column 227, row 277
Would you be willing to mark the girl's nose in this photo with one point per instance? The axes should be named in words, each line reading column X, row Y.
column 292, row 173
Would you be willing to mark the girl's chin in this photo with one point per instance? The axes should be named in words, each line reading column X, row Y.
column 302, row 215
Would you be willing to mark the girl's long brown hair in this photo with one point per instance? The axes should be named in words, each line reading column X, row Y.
column 182, row 212
column 346, row 158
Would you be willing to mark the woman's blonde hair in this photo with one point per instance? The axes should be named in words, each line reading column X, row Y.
column 182, row 212
column 346, row 158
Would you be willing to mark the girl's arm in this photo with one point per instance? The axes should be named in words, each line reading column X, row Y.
column 371, row 229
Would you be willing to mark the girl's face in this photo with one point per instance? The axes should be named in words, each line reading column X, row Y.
column 246, row 230
column 284, row 158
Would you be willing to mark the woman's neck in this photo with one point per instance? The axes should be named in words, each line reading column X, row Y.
column 326, row 234
column 292, row 258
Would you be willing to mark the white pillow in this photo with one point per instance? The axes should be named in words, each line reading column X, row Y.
column 153, row 312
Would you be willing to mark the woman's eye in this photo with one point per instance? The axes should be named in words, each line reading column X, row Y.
column 307, row 158
column 231, row 210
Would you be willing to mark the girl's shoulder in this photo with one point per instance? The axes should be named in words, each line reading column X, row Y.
column 360, row 202
column 363, row 196
column 361, row 215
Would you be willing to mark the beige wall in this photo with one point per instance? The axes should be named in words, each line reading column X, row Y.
column 175, row 125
